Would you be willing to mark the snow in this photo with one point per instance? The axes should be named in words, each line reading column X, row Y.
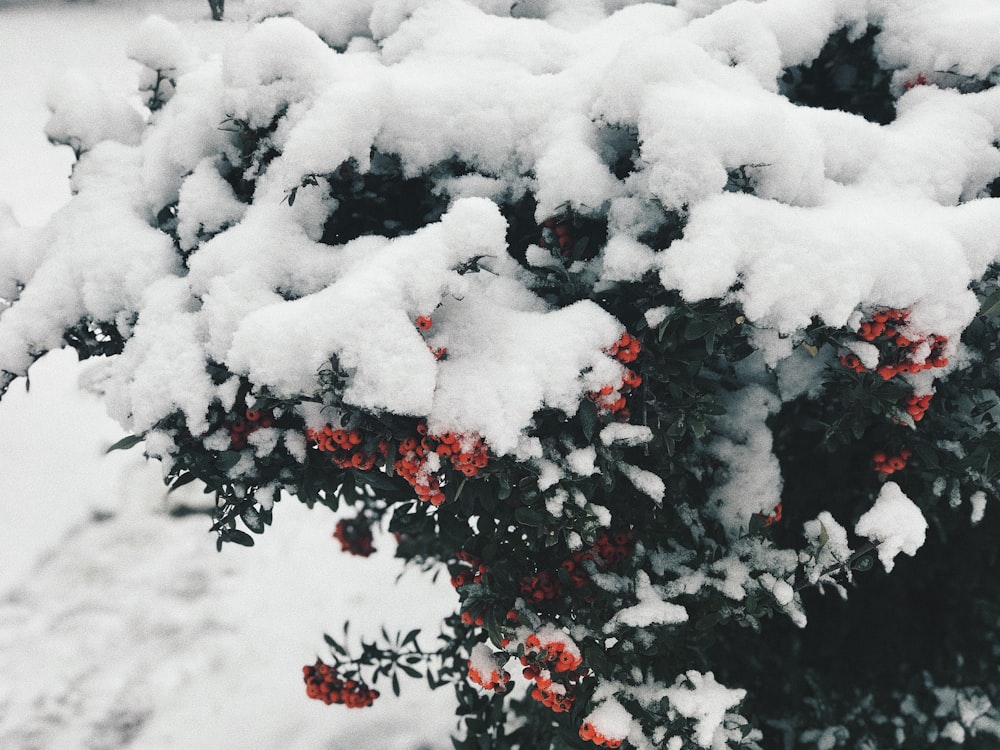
column 120, row 624
column 625, row 434
column 611, row 719
column 753, row 481
column 699, row 697
column 581, row 461
column 978, row 502
column 206, row 205
column 83, row 114
column 955, row 732
column 829, row 546
column 895, row 523
column 120, row 619
column 511, row 97
column 645, row 481
column 160, row 45
column 650, row 610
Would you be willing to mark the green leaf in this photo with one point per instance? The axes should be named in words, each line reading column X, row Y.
column 505, row 489
column 237, row 536
column 697, row 329
column 253, row 520
column 980, row 408
column 335, row 646
column 864, row 564
column 709, row 621
column 857, row 429
column 125, row 443
column 757, row 523
column 410, row 671
column 824, row 536
column 395, row 684
column 528, row 517
column 588, row 418
column 227, row 460
column 991, row 305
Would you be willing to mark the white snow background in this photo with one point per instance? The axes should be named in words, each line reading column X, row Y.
column 121, row 626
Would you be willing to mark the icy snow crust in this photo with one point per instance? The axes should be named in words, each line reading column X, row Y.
column 847, row 213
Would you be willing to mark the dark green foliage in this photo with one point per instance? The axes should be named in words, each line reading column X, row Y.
column 845, row 76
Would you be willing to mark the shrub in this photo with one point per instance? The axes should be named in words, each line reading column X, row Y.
column 647, row 326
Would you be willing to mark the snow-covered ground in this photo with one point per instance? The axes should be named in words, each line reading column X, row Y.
column 120, row 625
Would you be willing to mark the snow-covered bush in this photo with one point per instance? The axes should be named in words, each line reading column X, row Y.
column 647, row 322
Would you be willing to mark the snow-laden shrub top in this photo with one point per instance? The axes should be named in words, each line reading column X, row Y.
column 578, row 275
column 844, row 212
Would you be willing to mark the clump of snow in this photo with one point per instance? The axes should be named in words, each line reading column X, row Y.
column 626, row 259
column 483, row 659
column 206, row 205
column 954, row 731
column 978, row 502
column 895, row 523
column 782, row 591
column 656, row 315
column 160, row 47
column 581, row 461
column 753, row 481
column 699, row 697
column 867, row 353
column 645, row 481
column 611, row 719
column 651, row 608
column 622, row 433
column 84, row 113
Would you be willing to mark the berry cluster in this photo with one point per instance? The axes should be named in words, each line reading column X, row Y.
column 543, row 586
column 324, row 684
column 626, row 349
column 243, row 426
column 418, row 457
column 611, row 400
column 773, row 517
column 412, row 464
column 558, row 233
column 900, row 352
column 467, row 453
column 346, row 447
column 607, row 550
column 590, row 733
column 554, row 664
column 889, row 464
column 355, row 536
column 916, row 406
column 472, row 572
column 486, row 669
